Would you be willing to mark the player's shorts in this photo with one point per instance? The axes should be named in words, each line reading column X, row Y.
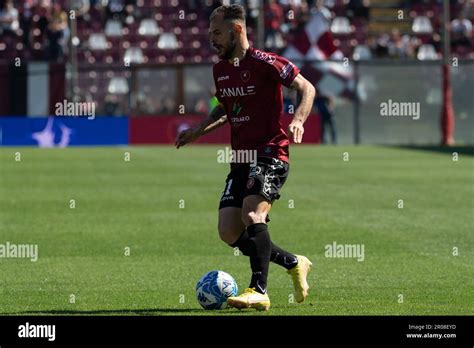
column 266, row 178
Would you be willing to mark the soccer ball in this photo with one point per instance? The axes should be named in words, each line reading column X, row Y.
column 213, row 289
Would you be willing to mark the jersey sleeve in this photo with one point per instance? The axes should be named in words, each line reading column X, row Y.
column 215, row 84
column 283, row 71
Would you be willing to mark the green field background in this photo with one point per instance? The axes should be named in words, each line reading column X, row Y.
column 136, row 204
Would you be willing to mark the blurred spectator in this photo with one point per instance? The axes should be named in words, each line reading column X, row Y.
column 81, row 9
column 294, row 4
column 111, row 105
column 44, row 13
column 37, row 22
column 201, row 107
column 321, row 10
column 358, row 8
column 144, row 104
column 273, row 20
column 400, row 46
column 115, row 9
column 130, row 14
column 303, row 11
column 436, row 41
column 296, row 13
column 461, row 29
column 9, row 23
column 325, row 107
column 26, row 20
column 381, row 46
column 169, row 106
column 57, row 34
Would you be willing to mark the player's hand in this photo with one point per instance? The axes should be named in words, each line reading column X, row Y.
column 296, row 130
column 185, row 137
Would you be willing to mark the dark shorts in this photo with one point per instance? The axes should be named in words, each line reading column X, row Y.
column 266, row 179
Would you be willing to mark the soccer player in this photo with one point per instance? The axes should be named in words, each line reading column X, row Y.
column 248, row 87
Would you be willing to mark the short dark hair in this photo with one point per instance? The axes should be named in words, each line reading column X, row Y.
column 232, row 12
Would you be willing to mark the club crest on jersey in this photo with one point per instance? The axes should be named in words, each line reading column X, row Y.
column 245, row 75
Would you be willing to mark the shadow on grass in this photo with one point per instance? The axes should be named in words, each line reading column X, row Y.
column 154, row 311
column 461, row 150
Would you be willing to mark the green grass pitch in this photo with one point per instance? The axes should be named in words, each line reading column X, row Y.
column 419, row 259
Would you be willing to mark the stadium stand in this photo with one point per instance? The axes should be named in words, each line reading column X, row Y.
column 159, row 28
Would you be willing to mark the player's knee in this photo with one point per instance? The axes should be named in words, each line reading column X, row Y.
column 252, row 217
column 227, row 234
column 224, row 235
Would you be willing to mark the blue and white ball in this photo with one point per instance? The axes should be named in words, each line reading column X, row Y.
column 213, row 289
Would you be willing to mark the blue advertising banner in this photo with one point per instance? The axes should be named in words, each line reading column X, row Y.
column 63, row 131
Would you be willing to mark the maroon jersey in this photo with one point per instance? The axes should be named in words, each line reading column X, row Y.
column 252, row 98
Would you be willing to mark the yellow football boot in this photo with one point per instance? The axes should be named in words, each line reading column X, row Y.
column 250, row 299
column 299, row 274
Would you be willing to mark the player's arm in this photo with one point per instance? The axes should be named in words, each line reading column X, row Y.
column 216, row 119
column 308, row 92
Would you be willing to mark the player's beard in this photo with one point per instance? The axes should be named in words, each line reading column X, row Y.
column 229, row 52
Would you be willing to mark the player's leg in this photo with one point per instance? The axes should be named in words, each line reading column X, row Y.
column 265, row 181
column 233, row 232
column 230, row 228
column 254, row 211
column 230, row 225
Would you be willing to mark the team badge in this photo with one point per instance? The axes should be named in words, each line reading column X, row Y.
column 245, row 75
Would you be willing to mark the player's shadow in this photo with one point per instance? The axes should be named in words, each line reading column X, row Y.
column 154, row 311
column 109, row 311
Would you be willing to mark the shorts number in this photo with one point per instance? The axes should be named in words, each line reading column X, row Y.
column 227, row 188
